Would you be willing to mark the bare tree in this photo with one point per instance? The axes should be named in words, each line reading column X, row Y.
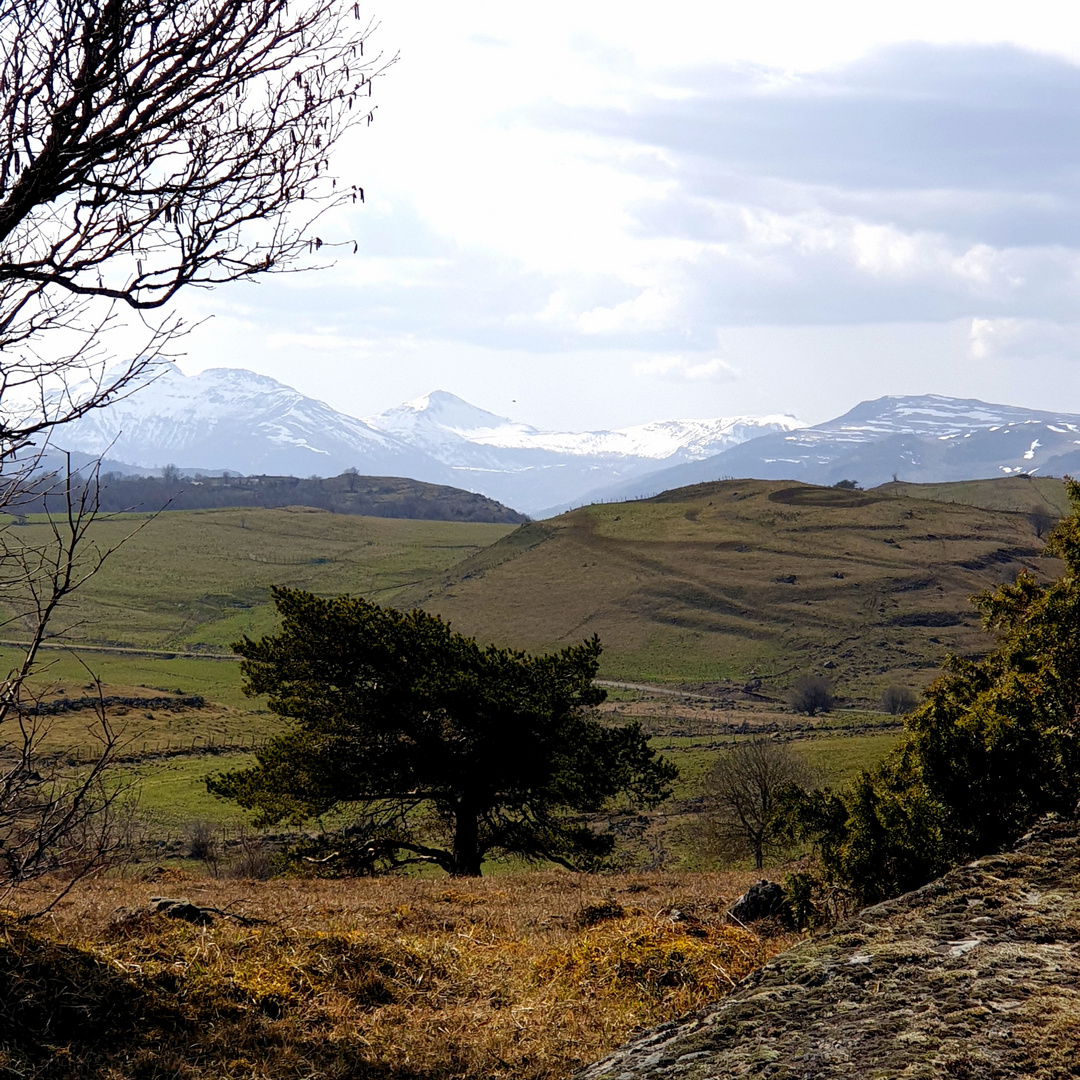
column 741, row 796
column 59, row 812
column 811, row 694
column 899, row 700
column 145, row 146
column 1042, row 520
column 149, row 145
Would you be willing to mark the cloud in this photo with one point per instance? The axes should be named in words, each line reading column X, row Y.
column 919, row 204
column 678, row 367
column 921, row 182
column 914, row 117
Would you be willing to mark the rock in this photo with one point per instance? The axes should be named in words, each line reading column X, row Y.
column 974, row 975
column 765, row 900
column 178, row 908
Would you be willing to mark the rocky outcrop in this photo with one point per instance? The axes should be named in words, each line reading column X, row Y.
column 976, row 975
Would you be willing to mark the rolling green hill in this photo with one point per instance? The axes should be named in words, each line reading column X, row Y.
column 1023, row 494
column 728, row 580
column 740, row 578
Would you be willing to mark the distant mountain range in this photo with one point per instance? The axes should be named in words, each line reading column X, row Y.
column 923, row 439
column 232, row 419
column 236, row 420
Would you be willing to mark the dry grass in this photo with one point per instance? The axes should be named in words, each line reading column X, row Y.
column 527, row 976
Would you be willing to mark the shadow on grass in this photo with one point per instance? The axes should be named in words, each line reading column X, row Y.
column 66, row 1013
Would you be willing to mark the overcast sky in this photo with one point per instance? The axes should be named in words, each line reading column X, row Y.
column 591, row 214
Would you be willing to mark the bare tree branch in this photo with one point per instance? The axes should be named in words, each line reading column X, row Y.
column 56, row 815
column 148, row 145
column 145, row 146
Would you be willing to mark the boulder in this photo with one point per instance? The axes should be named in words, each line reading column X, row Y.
column 765, row 900
column 178, row 908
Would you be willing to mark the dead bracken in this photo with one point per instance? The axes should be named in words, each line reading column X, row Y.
column 394, row 978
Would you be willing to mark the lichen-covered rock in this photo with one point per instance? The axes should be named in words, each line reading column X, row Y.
column 764, row 900
column 976, row 975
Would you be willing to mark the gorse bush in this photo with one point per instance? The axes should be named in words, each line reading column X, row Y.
column 995, row 744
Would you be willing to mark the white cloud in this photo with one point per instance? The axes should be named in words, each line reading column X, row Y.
column 570, row 198
column 678, row 367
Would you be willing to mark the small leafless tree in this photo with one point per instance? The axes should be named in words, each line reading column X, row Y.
column 899, row 700
column 811, row 694
column 741, row 797
column 145, row 146
column 1042, row 520
column 61, row 812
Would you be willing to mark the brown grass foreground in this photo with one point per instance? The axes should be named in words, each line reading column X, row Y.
column 527, row 976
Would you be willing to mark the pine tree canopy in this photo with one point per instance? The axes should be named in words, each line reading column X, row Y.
column 447, row 750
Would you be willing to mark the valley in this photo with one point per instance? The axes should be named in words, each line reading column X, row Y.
column 710, row 602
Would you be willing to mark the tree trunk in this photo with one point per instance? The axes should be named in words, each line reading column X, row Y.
column 467, row 856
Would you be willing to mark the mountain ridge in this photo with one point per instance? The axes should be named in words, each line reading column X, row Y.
column 236, row 420
column 926, row 438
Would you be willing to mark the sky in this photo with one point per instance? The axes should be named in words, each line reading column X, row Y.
column 586, row 215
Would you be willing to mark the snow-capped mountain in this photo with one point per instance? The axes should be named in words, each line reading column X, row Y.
column 507, row 459
column 923, row 439
column 228, row 418
column 233, row 419
column 435, row 419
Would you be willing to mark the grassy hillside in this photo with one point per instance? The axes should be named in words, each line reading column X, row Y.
column 1022, row 494
column 201, row 578
column 736, row 578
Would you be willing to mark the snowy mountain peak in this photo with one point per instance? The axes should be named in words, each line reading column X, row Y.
column 442, row 410
column 442, row 422
column 238, row 420
column 929, row 415
column 921, row 439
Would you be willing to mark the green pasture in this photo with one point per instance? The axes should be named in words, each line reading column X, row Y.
column 69, row 670
column 201, row 578
column 835, row 759
column 172, row 791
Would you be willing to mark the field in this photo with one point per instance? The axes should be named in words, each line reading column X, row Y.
column 710, row 601
column 187, row 584
column 734, row 580
column 728, row 590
